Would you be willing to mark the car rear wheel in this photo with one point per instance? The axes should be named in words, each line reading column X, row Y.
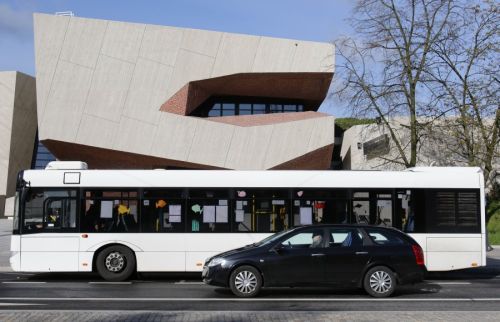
column 115, row 263
column 379, row 281
column 245, row 281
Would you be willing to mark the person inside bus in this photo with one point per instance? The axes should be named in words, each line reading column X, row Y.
column 91, row 220
column 123, row 220
column 317, row 239
column 159, row 220
column 54, row 219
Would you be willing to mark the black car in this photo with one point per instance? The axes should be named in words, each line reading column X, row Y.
column 374, row 258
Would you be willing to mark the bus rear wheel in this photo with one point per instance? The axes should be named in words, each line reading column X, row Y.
column 115, row 263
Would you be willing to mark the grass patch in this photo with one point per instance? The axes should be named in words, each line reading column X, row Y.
column 346, row 122
column 493, row 213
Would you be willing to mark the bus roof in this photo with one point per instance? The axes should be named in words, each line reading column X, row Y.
column 420, row 177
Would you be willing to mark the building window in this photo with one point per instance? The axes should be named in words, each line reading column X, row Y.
column 229, row 106
column 41, row 155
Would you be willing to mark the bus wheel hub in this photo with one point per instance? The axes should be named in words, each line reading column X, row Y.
column 115, row 262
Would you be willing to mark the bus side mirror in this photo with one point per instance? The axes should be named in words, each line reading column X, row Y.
column 24, row 192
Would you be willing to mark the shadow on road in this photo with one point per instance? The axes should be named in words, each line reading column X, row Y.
column 417, row 289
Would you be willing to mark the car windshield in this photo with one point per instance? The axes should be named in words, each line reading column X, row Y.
column 271, row 238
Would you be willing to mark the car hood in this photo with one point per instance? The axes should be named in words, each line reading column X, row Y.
column 235, row 252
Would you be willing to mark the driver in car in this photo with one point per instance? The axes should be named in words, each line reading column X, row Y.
column 317, row 239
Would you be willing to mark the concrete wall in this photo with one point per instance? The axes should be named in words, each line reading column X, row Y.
column 435, row 148
column 18, row 121
column 354, row 158
column 101, row 83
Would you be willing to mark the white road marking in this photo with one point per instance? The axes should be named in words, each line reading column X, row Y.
column 111, row 283
column 189, row 283
column 19, row 304
column 230, row 299
column 17, row 273
column 23, row 282
column 450, row 283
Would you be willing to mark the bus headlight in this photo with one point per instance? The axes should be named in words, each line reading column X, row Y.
column 216, row 261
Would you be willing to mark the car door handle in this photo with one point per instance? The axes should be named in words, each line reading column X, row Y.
column 361, row 253
column 317, row 254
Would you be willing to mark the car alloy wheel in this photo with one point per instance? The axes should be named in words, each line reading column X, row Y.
column 380, row 282
column 245, row 282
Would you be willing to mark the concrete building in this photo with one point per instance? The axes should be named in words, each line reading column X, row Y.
column 369, row 147
column 17, row 131
column 127, row 95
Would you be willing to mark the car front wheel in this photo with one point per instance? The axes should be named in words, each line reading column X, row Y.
column 245, row 281
column 379, row 281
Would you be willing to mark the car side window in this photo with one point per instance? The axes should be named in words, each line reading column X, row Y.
column 383, row 237
column 344, row 237
column 305, row 239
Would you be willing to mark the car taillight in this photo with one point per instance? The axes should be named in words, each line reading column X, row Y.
column 419, row 254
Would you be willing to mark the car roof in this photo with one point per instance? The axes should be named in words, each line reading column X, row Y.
column 350, row 226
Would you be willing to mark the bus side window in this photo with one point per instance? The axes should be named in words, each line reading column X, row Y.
column 162, row 215
column 110, row 211
column 319, row 206
column 209, row 210
column 261, row 210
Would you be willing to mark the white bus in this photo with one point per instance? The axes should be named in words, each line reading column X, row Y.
column 116, row 222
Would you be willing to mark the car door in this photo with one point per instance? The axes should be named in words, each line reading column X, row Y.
column 293, row 260
column 345, row 255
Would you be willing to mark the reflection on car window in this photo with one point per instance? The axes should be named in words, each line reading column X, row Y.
column 382, row 237
column 272, row 238
column 344, row 237
column 305, row 239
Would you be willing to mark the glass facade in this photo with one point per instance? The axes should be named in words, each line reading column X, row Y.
column 224, row 106
column 41, row 155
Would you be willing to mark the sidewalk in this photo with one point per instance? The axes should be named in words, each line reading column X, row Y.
column 146, row 316
column 5, row 232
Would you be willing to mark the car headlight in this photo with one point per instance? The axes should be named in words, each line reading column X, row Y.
column 216, row 261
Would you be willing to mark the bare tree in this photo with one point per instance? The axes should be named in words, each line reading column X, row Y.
column 382, row 73
column 465, row 77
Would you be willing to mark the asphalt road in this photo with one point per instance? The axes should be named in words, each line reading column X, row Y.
column 462, row 291
column 452, row 296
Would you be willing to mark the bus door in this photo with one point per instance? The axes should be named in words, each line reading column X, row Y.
column 48, row 240
column 373, row 208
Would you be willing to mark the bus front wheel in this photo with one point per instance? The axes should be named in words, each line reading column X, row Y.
column 115, row 263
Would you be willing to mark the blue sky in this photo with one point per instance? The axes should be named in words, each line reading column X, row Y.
column 315, row 20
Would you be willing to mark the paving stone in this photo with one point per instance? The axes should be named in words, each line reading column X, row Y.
column 199, row 316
